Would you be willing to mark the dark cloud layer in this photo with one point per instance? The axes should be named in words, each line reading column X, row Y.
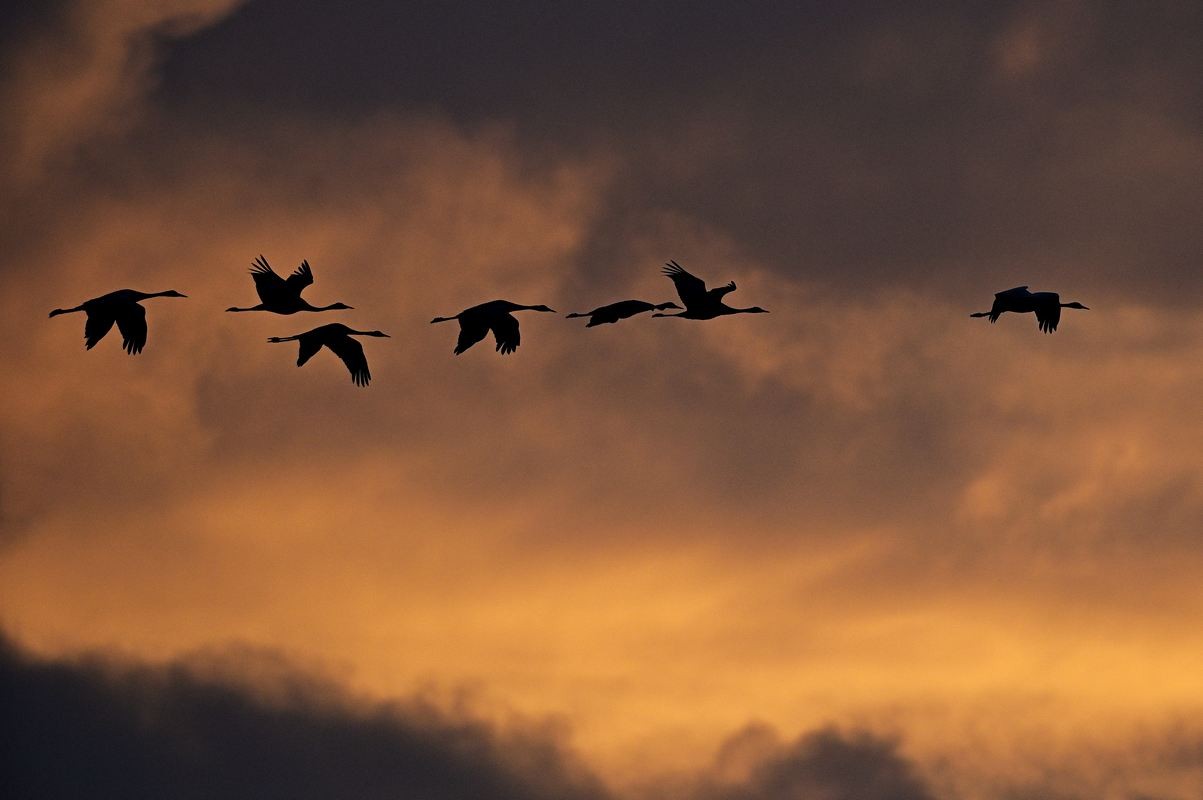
column 95, row 728
column 848, row 144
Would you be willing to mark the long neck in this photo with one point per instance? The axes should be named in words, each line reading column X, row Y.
column 167, row 293
column 331, row 307
column 252, row 308
column 58, row 311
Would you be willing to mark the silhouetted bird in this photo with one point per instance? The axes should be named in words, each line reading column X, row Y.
column 337, row 337
column 620, row 310
column 1046, row 305
column 699, row 303
column 476, row 322
column 122, row 308
column 283, row 296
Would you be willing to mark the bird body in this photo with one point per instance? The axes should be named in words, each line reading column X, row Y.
column 701, row 303
column 1045, row 305
column 496, row 316
column 620, row 310
column 283, row 295
column 120, row 307
column 337, row 338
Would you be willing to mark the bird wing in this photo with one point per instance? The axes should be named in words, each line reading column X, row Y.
column 1048, row 312
column 300, row 278
column 1018, row 291
column 718, row 293
column 98, row 323
column 131, row 321
column 351, row 352
column 268, row 284
column 471, row 330
column 505, row 331
column 310, row 344
column 691, row 288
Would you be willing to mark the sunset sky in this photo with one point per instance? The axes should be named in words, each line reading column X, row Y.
column 860, row 548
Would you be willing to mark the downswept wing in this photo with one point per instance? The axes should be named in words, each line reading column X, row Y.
column 505, row 331
column 96, row 326
column 351, row 353
column 472, row 329
column 310, row 343
column 132, row 324
column 1048, row 313
column 691, row 288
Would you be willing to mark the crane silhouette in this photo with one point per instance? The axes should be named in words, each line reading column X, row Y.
column 620, row 310
column 495, row 315
column 1046, row 305
column 122, row 308
column 700, row 303
column 337, row 337
column 283, row 295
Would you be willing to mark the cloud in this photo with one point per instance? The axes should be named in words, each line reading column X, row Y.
column 81, row 71
column 863, row 505
column 826, row 764
column 95, row 727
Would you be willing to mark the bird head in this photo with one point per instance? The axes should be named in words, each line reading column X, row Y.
column 172, row 293
column 1076, row 304
column 666, row 306
column 543, row 308
column 756, row 310
column 339, row 307
column 377, row 333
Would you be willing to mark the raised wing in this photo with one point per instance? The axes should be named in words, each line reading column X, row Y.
column 1018, row 291
column 718, row 293
column 471, row 330
column 268, row 284
column 691, row 288
column 505, row 331
column 132, row 324
column 97, row 325
column 351, row 352
column 300, row 278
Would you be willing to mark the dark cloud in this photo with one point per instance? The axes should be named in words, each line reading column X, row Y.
column 247, row 725
column 92, row 728
column 951, row 147
column 823, row 765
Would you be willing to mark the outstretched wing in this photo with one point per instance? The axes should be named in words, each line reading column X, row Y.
column 471, row 331
column 98, row 323
column 691, row 288
column 505, row 331
column 1018, row 291
column 268, row 284
column 131, row 321
column 351, row 352
column 300, row 278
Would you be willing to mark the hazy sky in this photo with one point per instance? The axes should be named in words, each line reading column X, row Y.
column 861, row 547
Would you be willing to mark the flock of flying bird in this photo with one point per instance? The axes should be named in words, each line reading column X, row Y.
column 283, row 296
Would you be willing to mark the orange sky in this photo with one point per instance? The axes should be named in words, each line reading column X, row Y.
column 864, row 509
